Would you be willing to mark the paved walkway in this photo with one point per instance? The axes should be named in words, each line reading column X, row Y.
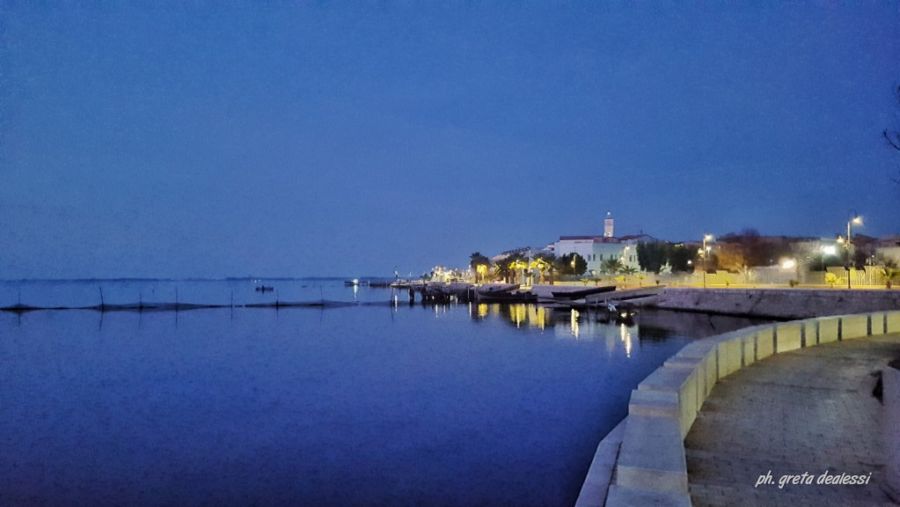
column 809, row 410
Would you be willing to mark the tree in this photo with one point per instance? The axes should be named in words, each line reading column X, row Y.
column 680, row 256
column 571, row 264
column 652, row 256
column 476, row 258
column 550, row 260
column 730, row 256
column 755, row 249
column 860, row 258
column 611, row 266
column 517, row 265
column 480, row 265
column 504, row 269
column 543, row 264
column 546, row 256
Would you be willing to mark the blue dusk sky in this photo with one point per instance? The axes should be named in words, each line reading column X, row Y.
column 209, row 139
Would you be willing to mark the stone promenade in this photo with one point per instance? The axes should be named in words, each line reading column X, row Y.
column 808, row 410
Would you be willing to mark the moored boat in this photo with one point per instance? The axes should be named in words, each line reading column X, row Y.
column 581, row 293
column 496, row 288
column 504, row 293
column 634, row 297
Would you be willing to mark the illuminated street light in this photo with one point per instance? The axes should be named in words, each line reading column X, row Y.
column 707, row 238
column 857, row 220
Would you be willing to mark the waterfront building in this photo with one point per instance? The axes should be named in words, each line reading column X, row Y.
column 888, row 249
column 597, row 249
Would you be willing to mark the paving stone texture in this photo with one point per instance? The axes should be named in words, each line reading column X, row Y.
column 807, row 410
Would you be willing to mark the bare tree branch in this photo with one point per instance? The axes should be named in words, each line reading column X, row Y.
column 892, row 142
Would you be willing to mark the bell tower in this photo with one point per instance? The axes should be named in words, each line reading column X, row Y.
column 608, row 225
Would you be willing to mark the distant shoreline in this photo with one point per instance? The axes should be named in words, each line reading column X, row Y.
column 193, row 279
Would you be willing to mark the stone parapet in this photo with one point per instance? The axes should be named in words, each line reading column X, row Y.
column 650, row 469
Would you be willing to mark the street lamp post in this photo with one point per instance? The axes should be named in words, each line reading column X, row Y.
column 705, row 253
column 854, row 220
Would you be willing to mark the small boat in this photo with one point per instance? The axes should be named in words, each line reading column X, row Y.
column 578, row 294
column 508, row 293
column 496, row 288
column 643, row 295
column 264, row 288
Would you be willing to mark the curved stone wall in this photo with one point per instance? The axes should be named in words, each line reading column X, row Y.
column 650, row 466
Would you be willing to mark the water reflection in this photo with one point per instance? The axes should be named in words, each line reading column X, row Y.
column 568, row 322
column 599, row 325
column 529, row 387
column 573, row 322
column 625, row 334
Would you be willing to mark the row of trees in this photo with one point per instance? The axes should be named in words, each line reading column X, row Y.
column 733, row 251
column 545, row 264
column 747, row 249
column 658, row 256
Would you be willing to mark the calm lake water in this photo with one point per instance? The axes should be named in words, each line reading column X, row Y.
column 364, row 405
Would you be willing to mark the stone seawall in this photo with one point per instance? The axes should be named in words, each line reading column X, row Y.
column 650, row 467
column 779, row 303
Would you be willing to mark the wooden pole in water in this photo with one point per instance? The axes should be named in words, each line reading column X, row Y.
column 102, row 303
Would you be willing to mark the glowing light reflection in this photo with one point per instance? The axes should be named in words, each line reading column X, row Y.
column 625, row 336
column 573, row 322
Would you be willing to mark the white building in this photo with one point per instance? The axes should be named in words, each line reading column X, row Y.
column 597, row 249
column 888, row 248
